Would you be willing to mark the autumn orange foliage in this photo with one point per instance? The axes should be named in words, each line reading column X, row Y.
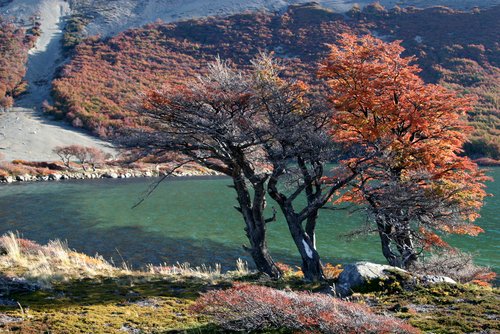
column 457, row 49
column 14, row 46
column 100, row 88
column 413, row 134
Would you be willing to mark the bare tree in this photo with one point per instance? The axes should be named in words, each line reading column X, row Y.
column 66, row 153
column 267, row 134
column 84, row 155
column 297, row 147
column 212, row 121
column 96, row 157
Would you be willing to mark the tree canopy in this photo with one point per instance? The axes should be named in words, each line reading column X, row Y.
column 416, row 181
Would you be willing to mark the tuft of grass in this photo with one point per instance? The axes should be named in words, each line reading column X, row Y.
column 185, row 269
column 43, row 265
column 9, row 244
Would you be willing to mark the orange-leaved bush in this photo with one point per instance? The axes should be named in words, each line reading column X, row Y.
column 14, row 46
column 410, row 135
column 247, row 307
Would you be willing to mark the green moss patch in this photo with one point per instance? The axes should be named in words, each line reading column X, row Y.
column 118, row 305
column 443, row 308
column 145, row 304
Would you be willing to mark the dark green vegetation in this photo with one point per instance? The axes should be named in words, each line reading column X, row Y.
column 98, row 89
column 109, row 305
column 73, row 32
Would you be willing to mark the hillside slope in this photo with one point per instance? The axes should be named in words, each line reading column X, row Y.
column 25, row 133
column 110, row 17
column 101, row 88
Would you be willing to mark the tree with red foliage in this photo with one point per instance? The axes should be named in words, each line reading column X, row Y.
column 211, row 121
column 415, row 183
column 264, row 131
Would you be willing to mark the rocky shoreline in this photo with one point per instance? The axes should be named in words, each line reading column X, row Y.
column 102, row 174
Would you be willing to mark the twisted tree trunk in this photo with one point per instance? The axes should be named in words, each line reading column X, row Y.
column 311, row 263
column 255, row 225
column 401, row 239
column 406, row 247
column 385, row 232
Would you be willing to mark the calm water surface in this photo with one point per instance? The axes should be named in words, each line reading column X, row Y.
column 189, row 220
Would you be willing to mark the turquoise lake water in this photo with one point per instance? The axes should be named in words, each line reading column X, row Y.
column 190, row 220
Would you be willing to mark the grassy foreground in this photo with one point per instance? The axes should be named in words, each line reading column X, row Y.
column 50, row 289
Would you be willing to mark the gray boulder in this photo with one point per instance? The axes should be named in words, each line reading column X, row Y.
column 359, row 274
column 54, row 177
column 434, row 279
column 110, row 175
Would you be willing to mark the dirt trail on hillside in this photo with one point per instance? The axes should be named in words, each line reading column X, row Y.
column 25, row 133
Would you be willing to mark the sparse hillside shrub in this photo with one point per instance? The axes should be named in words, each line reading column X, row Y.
column 15, row 169
column 99, row 90
column 39, row 164
column 14, row 46
column 246, row 308
column 84, row 155
column 455, row 264
column 73, row 32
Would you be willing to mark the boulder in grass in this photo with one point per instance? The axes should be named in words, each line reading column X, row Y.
column 362, row 275
column 368, row 277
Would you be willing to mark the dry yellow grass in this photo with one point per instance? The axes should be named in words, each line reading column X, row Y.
column 56, row 262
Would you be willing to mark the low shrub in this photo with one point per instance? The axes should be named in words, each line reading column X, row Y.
column 455, row 264
column 39, row 164
column 247, row 307
column 15, row 170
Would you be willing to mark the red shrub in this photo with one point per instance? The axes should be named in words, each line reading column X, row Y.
column 14, row 46
column 248, row 307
